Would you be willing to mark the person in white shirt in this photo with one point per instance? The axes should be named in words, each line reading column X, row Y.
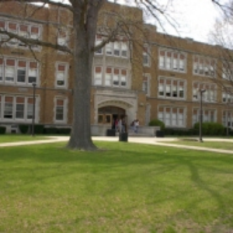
column 136, row 125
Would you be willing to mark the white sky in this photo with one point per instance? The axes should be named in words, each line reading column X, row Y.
column 192, row 18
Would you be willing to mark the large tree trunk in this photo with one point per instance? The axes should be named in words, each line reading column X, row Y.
column 83, row 59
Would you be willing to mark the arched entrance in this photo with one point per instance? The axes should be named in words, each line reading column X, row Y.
column 108, row 114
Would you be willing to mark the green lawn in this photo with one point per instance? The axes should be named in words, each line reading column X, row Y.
column 18, row 137
column 215, row 144
column 128, row 188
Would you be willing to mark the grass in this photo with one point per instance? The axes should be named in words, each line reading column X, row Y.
column 17, row 138
column 208, row 144
column 126, row 188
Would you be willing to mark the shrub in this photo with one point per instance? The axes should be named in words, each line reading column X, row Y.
column 2, row 130
column 38, row 129
column 23, row 129
column 51, row 130
column 157, row 122
column 210, row 128
column 65, row 131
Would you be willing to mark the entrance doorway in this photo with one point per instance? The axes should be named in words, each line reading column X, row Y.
column 109, row 114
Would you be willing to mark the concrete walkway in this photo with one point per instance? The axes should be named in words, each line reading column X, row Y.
column 144, row 140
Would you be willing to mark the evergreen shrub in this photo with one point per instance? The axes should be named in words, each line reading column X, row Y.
column 156, row 122
column 2, row 130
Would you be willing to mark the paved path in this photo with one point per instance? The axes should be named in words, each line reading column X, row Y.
column 144, row 140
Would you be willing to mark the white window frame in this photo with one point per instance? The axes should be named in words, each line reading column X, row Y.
column 146, row 55
column 196, row 117
column 65, row 110
column 66, row 65
column 210, row 94
column 98, row 41
column 13, row 71
column 203, row 66
column 169, row 88
column 14, row 108
column 171, row 119
column 174, row 62
column 98, row 76
column 62, row 40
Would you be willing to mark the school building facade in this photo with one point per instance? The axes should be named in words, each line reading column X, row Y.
column 158, row 78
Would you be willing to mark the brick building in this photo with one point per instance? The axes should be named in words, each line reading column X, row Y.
column 149, row 76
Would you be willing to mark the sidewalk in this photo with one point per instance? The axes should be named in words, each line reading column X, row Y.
column 144, row 140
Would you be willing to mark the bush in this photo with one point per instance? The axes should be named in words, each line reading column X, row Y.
column 2, row 130
column 38, row 129
column 157, row 122
column 54, row 130
column 51, row 130
column 23, row 129
column 179, row 132
column 211, row 128
column 65, row 131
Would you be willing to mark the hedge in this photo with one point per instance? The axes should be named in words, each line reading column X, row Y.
column 53, row 130
column 24, row 128
column 211, row 128
column 2, row 130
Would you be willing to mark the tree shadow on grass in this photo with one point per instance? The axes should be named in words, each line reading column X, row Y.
column 121, row 163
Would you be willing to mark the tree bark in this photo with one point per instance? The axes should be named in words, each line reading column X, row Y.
column 84, row 39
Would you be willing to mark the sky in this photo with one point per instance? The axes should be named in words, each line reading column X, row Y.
column 192, row 18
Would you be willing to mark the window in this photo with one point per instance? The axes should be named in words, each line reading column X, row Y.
column 59, row 110
column 18, row 71
column 8, row 107
column 123, row 78
column 227, row 118
column 108, row 48
column 2, row 28
column 145, row 84
column 172, row 60
column 98, row 76
column 227, row 70
column 124, row 49
column 62, row 37
column 108, row 77
column 146, row 56
column 116, row 77
column 168, row 60
column 23, row 31
column 112, row 77
column 21, row 72
column 204, row 66
column 12, row 27
column 209, row 115
column 172, row 116
column 35, row 32
column 171, row 88
column 210, row 94
column 10, row 70
column 19, row 108
column 61, row 75
column 98, row 41
column 116, row 47
column 32, row 72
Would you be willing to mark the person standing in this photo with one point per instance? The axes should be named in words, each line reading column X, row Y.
column 136, row 125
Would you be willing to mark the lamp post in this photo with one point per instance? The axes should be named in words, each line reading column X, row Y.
column 33, row 108
column 201, row 115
